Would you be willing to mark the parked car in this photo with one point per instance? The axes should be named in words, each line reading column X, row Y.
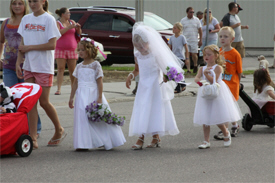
column 112, row 26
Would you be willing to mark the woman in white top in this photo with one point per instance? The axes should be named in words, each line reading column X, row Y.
column 213, row 29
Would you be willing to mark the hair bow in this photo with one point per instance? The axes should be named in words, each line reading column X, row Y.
column 216, row 49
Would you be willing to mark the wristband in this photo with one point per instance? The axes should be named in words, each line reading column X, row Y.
column 132, row 75
column 186, row 58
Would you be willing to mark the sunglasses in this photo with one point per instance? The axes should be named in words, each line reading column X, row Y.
column 206, row 12
column 191, row 12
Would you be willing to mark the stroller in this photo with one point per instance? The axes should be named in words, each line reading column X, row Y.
column 263, row 116
column 14, row 128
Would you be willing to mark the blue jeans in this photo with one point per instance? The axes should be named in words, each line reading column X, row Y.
column 209, row 42
column 10, row 78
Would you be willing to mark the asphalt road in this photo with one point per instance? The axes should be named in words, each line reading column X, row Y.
column 250, row 158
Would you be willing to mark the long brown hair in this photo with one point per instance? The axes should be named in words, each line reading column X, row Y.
column 261, row 78
column 60, row 11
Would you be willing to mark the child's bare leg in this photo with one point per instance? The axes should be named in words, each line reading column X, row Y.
column 33, row 118
column 206, row 132
column 233, row 123
column 51, row 112
column 224, row 131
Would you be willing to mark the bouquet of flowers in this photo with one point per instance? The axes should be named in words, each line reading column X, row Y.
column 172, row 74
column 99, row 112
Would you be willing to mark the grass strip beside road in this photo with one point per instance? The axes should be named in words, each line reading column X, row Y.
column 112, row 68
column 131, row 68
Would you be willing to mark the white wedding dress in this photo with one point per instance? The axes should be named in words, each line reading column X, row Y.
column 89, row 135
column 220, row 110
column 151, row 114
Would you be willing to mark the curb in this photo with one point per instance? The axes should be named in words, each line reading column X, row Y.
column 131, row 97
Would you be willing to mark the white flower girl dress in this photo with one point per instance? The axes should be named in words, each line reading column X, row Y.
column 220, row 110
column 88, row 135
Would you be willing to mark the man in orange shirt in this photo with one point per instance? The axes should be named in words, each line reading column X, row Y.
column 232, row 72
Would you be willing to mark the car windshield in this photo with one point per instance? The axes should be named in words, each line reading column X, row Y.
column 156, row 22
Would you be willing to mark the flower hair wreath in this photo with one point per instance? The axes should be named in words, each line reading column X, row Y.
column 93, row 43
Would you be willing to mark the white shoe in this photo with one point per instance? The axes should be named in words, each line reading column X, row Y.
column 204, row 145
column 227, row 143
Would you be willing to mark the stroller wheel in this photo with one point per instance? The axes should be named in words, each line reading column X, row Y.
column 246, row 122
column 271, row 126
column 24, row 145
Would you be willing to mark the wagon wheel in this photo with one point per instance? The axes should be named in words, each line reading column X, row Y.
column 246, row 122
column 24, row 145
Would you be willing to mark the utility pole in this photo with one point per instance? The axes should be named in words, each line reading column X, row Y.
column 207, row 23
column 139, row 10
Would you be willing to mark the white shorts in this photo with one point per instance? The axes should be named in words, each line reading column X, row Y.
column 193, row 47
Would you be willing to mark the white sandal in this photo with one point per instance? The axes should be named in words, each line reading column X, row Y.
column 138, row 147
column 157, row 144
column 227, row 143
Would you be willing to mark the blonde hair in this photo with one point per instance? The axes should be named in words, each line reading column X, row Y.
column 204, row 16
column 89, row 47
column 179, row 26
column 230, row 29
column 215, row 50
column 26, row 5
column 46, row 6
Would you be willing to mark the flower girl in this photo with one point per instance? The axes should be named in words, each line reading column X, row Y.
column 88, row 88
column 217, row 111
column 152, row 113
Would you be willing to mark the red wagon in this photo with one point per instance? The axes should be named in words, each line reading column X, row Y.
column 14, row 128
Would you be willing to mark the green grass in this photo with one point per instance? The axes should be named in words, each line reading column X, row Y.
column 110, row 68
column 248, row 72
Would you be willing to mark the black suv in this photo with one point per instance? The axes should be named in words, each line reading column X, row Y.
column 112, row 27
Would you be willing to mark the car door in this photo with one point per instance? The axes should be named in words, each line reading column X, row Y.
column 121, row 34
column 98, row 27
